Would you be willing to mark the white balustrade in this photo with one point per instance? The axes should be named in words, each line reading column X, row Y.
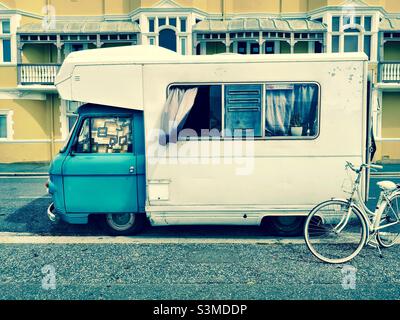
column 38, row 74
column 390, row 72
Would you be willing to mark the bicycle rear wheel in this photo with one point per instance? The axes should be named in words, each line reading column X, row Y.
column 333, row 234
column 388, row 236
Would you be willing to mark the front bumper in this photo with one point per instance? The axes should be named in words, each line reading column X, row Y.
column 52, row 215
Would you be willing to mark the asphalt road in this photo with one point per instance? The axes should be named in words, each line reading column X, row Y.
column 169, row 263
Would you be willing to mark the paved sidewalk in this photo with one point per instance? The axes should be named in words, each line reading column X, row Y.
column 24, row 169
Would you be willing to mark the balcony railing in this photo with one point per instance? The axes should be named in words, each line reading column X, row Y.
column 43, row 74
column 390, row 71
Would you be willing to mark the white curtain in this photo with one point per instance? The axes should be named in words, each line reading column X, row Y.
column 176, row 109
column 306, row 107
column 280, row 104
column 285, row 105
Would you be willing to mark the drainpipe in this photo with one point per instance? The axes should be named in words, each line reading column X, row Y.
column 51, row 102
column 223, row 9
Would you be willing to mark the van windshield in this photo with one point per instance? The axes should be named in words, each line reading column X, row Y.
column 64, row 148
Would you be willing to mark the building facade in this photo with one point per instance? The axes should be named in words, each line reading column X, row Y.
column 37, row 35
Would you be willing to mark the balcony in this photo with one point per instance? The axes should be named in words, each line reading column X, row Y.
column 37, row 74
column 390, row 72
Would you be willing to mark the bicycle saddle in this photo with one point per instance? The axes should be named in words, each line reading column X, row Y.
column 387, row 185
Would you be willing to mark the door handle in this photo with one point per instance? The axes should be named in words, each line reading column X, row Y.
column 132, row 169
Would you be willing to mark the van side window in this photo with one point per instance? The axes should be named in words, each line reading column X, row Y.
column 105, row 135
column 249, row 110
column 291, row 110
column 204, row 113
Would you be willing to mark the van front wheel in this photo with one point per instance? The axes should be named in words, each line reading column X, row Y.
column 123, row 224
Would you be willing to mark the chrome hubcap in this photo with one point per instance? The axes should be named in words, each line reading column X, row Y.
column 121, row 221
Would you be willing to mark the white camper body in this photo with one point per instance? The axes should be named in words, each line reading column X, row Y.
column 280, row 176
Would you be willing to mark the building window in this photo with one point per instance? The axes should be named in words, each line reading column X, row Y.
column 335, row 44
column 151, row 25
column 71, row 113
column 152, row 41
column 254, row 48
column 5, row 41
column 183, row 46
column 172, row 22
column 5, row 125
column 167, row 39
column 270, row 47
column 183, row 24
column 335, row 24
column 352, row 34
column 242, row 47
column 5, row 27
column 368, row 23
column 318, row 48
column 6, row 44
column 350, row 43
column 367, row 46
column 162, row 22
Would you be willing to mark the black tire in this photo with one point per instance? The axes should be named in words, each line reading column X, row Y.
column 284, row 225
column 123, row 224
column 388, row 237
column 320, row 231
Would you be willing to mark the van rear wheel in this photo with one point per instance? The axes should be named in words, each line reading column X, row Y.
column 285, row 225
column 123, row 224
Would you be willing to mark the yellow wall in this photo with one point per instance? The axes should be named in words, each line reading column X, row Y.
column 39, row 53
column 26, row 152
column 301, row 47
column 32, row 118
column 392, row 51
column 99, row 7
column 8, row 76
column 285, row 47
column 32, row 121
column 78, row 7
column 391, row 115
column 390, row 126
column 215, row 47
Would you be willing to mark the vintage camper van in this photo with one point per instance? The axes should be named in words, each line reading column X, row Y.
column 207, row 140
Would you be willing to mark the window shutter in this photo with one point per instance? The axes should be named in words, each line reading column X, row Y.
column 243, row 108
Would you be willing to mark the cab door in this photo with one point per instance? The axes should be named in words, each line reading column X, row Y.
column 100, row 171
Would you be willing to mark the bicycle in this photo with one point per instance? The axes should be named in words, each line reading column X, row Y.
column 336, row 230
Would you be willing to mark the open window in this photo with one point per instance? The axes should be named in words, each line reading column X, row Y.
column 192, row 112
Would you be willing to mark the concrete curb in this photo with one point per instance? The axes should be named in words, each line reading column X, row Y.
column 24, row 174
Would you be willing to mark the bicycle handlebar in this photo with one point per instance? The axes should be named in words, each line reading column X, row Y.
column 363, row 166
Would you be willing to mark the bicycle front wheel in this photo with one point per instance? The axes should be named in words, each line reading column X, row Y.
column 390, row 223
column 334, row 232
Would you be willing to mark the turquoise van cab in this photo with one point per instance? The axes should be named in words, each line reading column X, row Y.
column 100, row 172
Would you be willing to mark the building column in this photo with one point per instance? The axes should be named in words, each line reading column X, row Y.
column 292, row 43
column 59, row 46
column 20, row 46
column 260, row 43
column 227, row 42
column 99, row 44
